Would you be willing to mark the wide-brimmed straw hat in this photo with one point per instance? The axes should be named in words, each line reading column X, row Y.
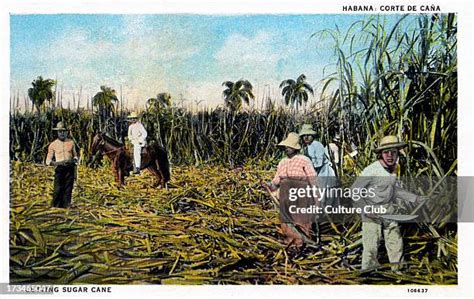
column 292, row 140
column 307, row 129
column 388, row 142
column 60, row 127
column 133, row 115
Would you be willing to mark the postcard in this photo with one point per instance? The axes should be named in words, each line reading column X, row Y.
column 264, row 148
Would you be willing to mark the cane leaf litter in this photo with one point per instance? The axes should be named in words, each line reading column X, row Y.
column 212, row 226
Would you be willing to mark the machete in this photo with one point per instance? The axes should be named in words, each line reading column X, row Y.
column 399, row 218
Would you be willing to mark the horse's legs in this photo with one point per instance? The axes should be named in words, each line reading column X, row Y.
column 162, row 177
column 121, row 177
column 118, row 173
column 157, row 174
column 116, row 176
column 151, row 163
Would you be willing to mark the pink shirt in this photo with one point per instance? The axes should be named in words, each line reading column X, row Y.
column 298, row 166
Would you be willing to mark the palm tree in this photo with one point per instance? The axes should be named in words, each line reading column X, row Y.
column 154, row 109
column 105, row 100
column 237, row 92
column 296, row 92
column 41, row 92
column 161, row 101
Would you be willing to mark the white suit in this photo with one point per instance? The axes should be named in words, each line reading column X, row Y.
column 137, row 136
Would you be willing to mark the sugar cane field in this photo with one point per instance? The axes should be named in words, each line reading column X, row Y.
column 213, row 223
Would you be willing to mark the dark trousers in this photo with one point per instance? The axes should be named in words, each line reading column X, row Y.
column 63, row 183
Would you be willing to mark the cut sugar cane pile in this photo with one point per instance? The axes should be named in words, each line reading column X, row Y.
column 212, row 226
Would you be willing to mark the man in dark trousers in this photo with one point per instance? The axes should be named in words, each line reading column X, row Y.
column 63, row 151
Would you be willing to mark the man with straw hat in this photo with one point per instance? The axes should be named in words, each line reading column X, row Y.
column 380, row 177
column 294, row 171
column 63, row 151
column 137, row 136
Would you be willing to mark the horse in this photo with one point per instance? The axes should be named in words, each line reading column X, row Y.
column 154, row 158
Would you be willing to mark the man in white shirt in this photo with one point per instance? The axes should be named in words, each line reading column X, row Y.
column 137, row 136
column 381, row 178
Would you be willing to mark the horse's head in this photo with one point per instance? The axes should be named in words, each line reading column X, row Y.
column 96, row 148
column 97, row 143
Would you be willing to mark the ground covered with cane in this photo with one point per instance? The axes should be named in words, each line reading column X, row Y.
column 212, row 226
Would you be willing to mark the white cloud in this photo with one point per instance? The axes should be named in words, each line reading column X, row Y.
column 255, row 55
column 158, row 42
column 209, row 93
column 75, row 47
column 134, row 24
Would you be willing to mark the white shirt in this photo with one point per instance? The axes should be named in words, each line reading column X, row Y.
column 335, row 152
column 137, row 133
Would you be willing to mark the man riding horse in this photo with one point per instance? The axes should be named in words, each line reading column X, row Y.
column 154, row 157
column 137, row 136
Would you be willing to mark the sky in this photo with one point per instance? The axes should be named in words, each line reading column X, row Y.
column 187, row 55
